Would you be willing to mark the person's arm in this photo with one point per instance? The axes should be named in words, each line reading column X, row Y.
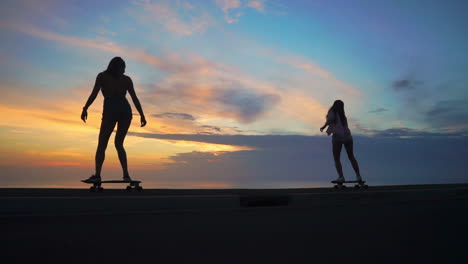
column 92, row 96
column 136, row 102
column 324, row 126
column 330, row 118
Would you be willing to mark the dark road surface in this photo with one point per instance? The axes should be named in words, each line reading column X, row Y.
column 396, row 224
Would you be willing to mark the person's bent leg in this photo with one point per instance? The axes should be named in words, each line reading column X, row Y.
column 337, row 145
column 352, row 159
column 122, row 130
column 107, row 126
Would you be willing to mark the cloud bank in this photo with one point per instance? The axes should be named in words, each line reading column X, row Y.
column 390, row 157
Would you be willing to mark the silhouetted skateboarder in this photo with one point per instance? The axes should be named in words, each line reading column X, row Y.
column 114, row 85
column 338, row 126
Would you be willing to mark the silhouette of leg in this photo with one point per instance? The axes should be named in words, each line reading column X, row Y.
column 337, row 145
column 107, row 126
column 352, row 159
column 122, row 129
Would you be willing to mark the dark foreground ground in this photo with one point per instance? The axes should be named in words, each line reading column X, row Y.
column 399, row 224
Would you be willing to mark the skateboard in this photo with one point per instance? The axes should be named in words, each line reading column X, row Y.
column 340, row 185
column 134, row 185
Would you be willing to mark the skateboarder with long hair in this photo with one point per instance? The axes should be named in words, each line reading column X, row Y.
column 338, row 126
column 117, row 111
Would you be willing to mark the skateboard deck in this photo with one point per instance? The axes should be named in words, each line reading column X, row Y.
column 348, row 181
column 359, row 185
column 133, row 185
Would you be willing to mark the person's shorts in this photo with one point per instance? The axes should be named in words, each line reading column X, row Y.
column 116, row 108
column 116, row 116
column 343, row 139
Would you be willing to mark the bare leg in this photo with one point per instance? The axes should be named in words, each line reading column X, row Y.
column 122, row 129
column 107, row 127
column 352, row 159
column 336, row 155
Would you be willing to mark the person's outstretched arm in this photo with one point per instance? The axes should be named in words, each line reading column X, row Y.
column 92, row 96
column 136, row 102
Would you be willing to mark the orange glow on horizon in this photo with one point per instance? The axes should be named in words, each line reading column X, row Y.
column 61, row 164
column 39, row 138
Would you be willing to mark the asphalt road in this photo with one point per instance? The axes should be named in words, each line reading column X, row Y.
column 418, row 224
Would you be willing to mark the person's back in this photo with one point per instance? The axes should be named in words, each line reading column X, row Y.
column 336, row 126
column 114, row 89
column 112, row 86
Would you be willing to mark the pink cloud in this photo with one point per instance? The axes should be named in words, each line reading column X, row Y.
column 104, row 31
column 171, row 63
column 256, row 5
column 187, row 5
column 303, row 64
column 231, row 8
column 169, row 17
column 29, row 11
column 309, row 66
column 202, row 87
column 227, row 5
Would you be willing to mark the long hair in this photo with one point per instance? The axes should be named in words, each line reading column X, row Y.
column 338, row 108
column 115, row 67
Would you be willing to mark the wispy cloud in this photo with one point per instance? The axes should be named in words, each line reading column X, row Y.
column 422, row 102
column 211, row 128
column 304, row 64
column 301, row 64
column 170, row 63
column 406, row 84
column 226, row 6
column 223, row 99
column 233, row 8
column 205, row 86
column 49, row 12
column 166, row 14
column 259, row 5
column 247, row 106
column 449, row 114
column 182, row 116
column 104, row 31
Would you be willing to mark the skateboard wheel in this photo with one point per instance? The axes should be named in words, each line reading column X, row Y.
column 335, row 187
column 139, row 188
column 129, row 188
column 100, row 189
column 356, row 187
column 92, row 189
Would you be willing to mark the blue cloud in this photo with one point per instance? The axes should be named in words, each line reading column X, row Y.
column 389, row 157
column 182, row 116
column 379, row 110
column 449, row 113
column 247, row 105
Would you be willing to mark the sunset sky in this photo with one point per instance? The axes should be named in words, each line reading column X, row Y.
column 235, row 90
